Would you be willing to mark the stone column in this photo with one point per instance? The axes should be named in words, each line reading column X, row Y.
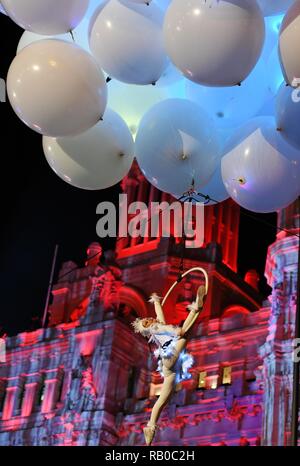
column 10, row 402
column 29, row 399
column 281, row 273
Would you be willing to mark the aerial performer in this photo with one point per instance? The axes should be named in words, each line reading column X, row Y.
column 171, row 341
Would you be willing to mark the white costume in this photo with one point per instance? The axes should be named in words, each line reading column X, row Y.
column 165, row 338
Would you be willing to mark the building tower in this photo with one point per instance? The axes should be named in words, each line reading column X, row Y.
column 281, row 273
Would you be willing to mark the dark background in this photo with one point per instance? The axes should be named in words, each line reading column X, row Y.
column 39, row 210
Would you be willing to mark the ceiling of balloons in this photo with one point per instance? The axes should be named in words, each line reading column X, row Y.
column 204, row 93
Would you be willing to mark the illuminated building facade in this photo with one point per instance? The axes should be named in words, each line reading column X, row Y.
column 87, row 379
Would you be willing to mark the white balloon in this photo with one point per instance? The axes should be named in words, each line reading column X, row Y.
column 79, row 36
column 177, row 145
column 289, row 40
column 42, row 17
column 29, row 37
column 261, row 172
column 96, row 159
column 127, row 41
column 288, row 114
column 214, row 43
column 56, row 88
column 274, row 7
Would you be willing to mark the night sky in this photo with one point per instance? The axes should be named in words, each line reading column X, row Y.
column 39, row 210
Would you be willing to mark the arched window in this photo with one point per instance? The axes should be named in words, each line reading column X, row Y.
column 235, row 310
column 132, row 302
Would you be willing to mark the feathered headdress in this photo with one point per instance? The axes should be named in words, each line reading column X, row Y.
column 139, row 328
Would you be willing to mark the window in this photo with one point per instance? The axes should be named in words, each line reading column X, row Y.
column 2, row 395
column 21, row 394
column 41, row 391
column 60, row 389
column 202, row 380
column 226, row 377
column 132, row 375
column 214, row 382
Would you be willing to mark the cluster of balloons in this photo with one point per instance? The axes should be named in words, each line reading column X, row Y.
column 209, row 90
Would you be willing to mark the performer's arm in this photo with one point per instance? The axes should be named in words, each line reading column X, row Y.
column 155, row 299
column 191, row 319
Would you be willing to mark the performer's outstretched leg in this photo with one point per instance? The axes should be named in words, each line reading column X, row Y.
column 195, row 308
column 166, row 393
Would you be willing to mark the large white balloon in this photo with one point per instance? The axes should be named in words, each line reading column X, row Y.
column 42, row 17
column 214, row 43
column 288, row 114
column 260, row 170
column 127, row 41
column 177, row 145
column 80, row 35
column 289, row 41
column 274, row 7
column 233, row 106
column 96, row 159
column 56, row 88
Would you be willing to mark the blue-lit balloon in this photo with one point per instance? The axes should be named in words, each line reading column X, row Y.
column 176, row 145
column 260, row 170
column 232, row 106
column 288, row 114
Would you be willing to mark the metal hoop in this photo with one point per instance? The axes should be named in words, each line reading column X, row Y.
column 194, row 269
